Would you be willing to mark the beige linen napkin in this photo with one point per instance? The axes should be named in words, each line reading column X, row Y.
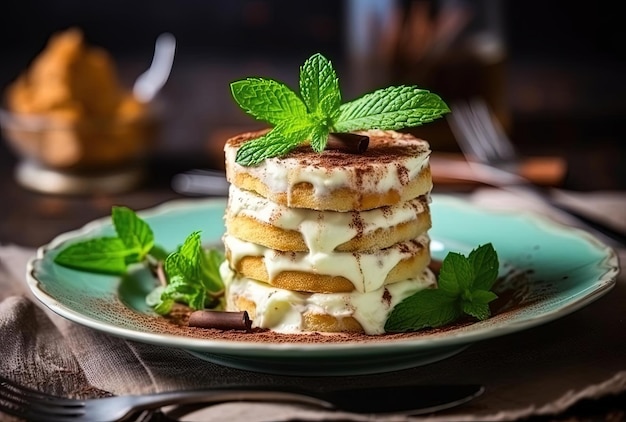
column 541, row 371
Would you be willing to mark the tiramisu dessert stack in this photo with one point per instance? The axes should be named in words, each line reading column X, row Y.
column 330, row 241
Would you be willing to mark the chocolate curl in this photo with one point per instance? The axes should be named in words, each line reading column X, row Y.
column 221, row 320
column 435, row 266
column 348, row 142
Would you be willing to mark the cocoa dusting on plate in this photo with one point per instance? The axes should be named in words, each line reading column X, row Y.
column 515, row 293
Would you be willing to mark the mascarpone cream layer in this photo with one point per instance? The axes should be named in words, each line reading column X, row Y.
column 373, row 174
column 367, row 271
column 282, row 310
column 323, row 231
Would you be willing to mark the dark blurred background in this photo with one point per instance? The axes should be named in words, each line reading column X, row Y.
column 563, row 58
column 558, row 80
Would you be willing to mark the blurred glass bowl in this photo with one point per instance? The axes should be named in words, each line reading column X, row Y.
column 83, row 153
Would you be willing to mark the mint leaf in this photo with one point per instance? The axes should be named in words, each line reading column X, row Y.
column 191, row 248
column 319, row 87
column 176, row 265
column 196, row 297
column 170, row 295
column 268, row 100
column 463, row 288
column 105, row 255
column 391, row 108
column 165, row 304
column 484, row 260
column 182, row 285
column 477, row 305
column 133, row 231
column 319, row 138
column 455, row 273
column 181, row 291
column 477, row 310
column 426, row 308
column 112, row 255
column 483, row 296
column 272, row 144
column 210, row 262
column 277, row 142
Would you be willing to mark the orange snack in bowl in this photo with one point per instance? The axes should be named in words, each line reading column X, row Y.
column 85, row 118
column 68, row 75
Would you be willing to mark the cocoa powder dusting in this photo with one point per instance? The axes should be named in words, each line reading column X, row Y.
column 357, row 224
column 403, row 174
column 386, row 297
column 384, row 148
column 275, row 216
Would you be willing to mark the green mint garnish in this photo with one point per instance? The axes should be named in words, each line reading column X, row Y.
column 103, row 255
column 193, row 276
column 390, row 108
column 111, row 255
column 192, row 272
column 135, row 233
column 464, row 287
column 318, row 111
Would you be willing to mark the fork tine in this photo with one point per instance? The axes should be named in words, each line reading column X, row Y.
column 30, row 413
column 482, row 136
column 28, row 393
column 30, row 404
column 494, row 132
column 464, row 131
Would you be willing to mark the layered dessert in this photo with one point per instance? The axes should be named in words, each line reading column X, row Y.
column 331, row 241
column 327, row 223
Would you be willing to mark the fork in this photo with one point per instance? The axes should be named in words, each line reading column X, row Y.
column 26, row 403
column 29, row 404
column 493, row 157
column 484, row 143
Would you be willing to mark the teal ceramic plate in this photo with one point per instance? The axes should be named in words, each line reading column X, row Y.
column 547, row 271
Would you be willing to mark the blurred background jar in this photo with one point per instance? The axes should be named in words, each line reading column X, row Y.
column 75, row 128
column 456, row 48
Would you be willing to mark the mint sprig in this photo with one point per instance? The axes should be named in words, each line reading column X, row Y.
column 191, row 272
column 317, row 111
column 464, row 287
column 193, row 276
column 109, row 254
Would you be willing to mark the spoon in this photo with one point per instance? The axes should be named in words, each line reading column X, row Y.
column 149, row 83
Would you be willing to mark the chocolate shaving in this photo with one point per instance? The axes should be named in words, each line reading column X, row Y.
column 221, row 320
column 435, row 266
column 348, row 142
